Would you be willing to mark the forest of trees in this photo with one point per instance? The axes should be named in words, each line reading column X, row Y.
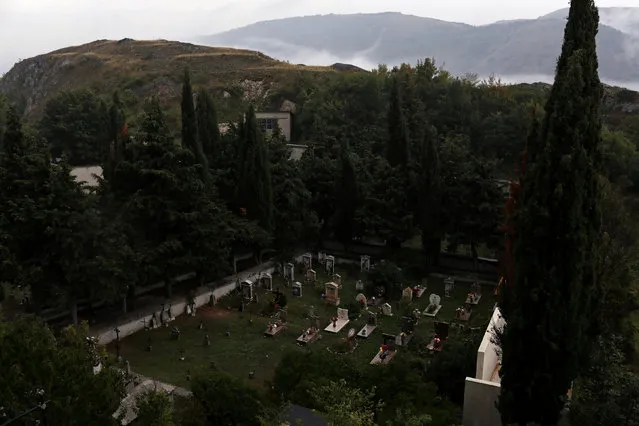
column 397, row 155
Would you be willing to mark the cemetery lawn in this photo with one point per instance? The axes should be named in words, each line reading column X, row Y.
column 248, row 349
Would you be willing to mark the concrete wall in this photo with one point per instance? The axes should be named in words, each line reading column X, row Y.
column 284, row 121
column 480, row 397
column 488, row 355
column 178, row 307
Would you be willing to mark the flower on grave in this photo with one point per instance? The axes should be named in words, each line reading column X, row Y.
column 243, row 211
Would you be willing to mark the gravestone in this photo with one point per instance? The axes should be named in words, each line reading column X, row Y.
column 361, row 300
column 359, row 285
column 321, row 258
column 364, row 263
column 289, row 272
column 407, row 295
column 247, row 290
column 342, row 314
column 307, row 259
column 266, row 281
column 408, row 324
column 331, row 293
column 434, row 305
column 330, row 265
column 449, row 286
column 337, row 278
column 387, row 310
column 297, row 289
column 311, row 276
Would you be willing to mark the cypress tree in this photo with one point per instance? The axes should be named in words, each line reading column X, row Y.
column 254, row 191
column 117, row 133
column 551, row 302
column 190, row 137
column 430, row 197
column 398, row 146
column 347, row 196
column 208, row 130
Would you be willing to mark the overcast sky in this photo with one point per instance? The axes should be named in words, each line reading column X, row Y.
column 31, row 27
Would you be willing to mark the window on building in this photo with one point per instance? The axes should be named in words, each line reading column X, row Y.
column 267, row 124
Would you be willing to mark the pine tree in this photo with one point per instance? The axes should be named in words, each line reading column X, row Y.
column 208, row 127
column 398, row 146
column 548, row 331
column 190, row 137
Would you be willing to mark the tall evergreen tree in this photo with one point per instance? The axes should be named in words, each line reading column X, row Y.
column 178, row 226
column 254, row 190
column 207, row 125
column 398, row 146
column 430, row 196
column 118, row 133
column 347, row 198
column 549, row 327
column 190, row 137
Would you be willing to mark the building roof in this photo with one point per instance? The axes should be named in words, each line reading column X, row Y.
column 87, row 175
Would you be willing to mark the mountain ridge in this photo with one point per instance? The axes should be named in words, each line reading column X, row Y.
column 506, row 48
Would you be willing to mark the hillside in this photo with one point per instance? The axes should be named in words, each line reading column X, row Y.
column 143, row 68
column 509, row 48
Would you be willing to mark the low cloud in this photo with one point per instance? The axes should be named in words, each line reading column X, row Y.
column 536, row 78
column 303, row 55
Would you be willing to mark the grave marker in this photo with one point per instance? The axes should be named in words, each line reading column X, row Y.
column 307, row 259
column 364, row 263
column 297, row 289
column 330, row 265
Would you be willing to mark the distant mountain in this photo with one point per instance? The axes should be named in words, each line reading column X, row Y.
column 524, row 47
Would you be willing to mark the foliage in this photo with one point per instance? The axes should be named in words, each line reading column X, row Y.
column 388, row 276
column 254, row 191
column 549, row 314
column 63, row 373
column 606, row 393
column 75, row 123
column 154, row 409
column 178, row 225
column 227, row 401
column 451, row 367
column 345, row 405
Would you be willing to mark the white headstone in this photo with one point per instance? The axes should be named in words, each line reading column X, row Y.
column 342, row 314
column 361, row 299
column 359, row 285
column 435, row 299
column 387, row 310
column 337, row 278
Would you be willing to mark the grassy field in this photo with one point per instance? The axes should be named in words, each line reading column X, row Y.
column 248, row 349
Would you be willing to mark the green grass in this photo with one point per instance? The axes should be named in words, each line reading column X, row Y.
column 248, row 349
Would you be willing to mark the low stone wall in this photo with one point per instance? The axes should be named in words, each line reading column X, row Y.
column 178, row 306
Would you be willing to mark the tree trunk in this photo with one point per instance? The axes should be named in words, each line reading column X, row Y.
column 124, row 305
column 131, row 297
column 73, row 306
column 473, row 250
